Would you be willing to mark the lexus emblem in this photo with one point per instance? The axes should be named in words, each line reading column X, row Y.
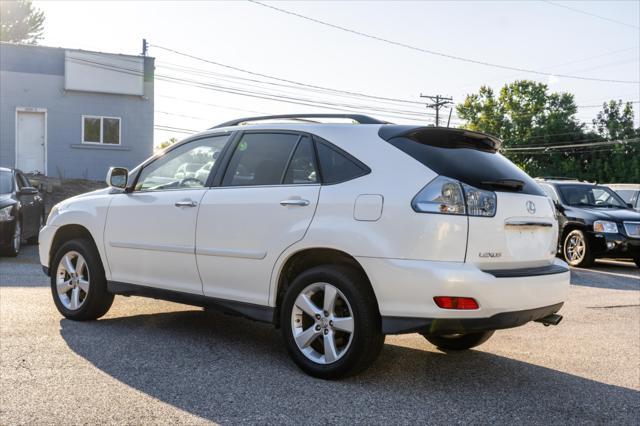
column 531, row 207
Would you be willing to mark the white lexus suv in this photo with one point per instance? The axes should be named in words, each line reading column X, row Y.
column 337, row 233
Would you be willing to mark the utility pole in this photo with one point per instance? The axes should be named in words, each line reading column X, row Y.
column 438, row 102
column 145, row 47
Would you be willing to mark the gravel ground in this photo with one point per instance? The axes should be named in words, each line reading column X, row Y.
column 156, row 362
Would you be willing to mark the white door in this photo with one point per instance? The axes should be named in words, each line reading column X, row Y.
column 150, row 233
column 266, row 203
column 30, row 141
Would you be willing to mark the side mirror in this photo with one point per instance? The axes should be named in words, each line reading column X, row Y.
column 117, row 177
column 630, row 205
column 28, row 190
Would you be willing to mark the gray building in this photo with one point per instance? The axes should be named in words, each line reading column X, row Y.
column 74, row 113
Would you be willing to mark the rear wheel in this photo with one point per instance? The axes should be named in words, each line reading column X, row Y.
column 78, row 283
column 330, row 322
column 460, row 342
column 576, row 250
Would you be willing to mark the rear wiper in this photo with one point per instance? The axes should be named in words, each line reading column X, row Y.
column 513, row 184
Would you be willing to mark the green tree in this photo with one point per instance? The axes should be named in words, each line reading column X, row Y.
column 167, row 143
column 20, row 22
column 615, row 121
column 524, row 114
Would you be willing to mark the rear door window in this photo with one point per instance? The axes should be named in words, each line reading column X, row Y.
column 260, row 159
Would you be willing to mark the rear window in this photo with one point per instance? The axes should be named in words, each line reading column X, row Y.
column 472, row 165
column 337, row 166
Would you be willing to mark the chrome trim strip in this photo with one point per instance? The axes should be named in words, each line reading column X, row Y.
column 153, row 247
column 527, row 223
column 243, row 254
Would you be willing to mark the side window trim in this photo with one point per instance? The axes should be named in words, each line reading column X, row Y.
column 234, row 140
column 149, row 162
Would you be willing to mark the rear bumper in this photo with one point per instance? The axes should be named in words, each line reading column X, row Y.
column 437, row 326
column 406, row 288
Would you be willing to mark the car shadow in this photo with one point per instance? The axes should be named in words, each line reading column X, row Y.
column 607, row 274
column 231, row 370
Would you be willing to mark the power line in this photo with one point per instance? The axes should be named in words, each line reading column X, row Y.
column 438, row 102
column 385, row 112
column 281, row 79
column 175, row 129
column 577, row 145
column 584, row 12
column 436, row 53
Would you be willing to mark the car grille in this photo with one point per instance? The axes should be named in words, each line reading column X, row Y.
column 632, row 229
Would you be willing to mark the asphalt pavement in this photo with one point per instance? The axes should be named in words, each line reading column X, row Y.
column 155, row 362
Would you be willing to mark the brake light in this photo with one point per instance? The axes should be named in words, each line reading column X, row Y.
column 449, row 196
column 449, row 302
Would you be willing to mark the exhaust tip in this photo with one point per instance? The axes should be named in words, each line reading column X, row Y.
column 553, row 319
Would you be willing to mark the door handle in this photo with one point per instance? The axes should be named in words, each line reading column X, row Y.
column 186, row 203
column 293, row 202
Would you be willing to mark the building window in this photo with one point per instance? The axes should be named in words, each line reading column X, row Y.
column 104, row 130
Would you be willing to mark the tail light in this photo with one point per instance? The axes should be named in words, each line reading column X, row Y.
column 449, row 196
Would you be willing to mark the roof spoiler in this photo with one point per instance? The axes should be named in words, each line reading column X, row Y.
column 358, row 118
column 443, row 137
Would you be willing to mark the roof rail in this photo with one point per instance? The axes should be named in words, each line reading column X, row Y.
column 359, row 118
column 560, row 178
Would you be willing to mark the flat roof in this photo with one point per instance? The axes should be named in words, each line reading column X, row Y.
column 40, row 46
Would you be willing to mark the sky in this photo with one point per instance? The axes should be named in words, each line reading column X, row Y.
column 594, row 39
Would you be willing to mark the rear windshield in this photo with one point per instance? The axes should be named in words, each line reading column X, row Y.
column 473, row 166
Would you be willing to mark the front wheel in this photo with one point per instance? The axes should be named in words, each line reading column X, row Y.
column 330, row 322
column 460, row 342
column 576, row 249
column 78, row 282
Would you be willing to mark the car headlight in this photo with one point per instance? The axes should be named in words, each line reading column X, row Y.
column 605, row 226
column 5, row 214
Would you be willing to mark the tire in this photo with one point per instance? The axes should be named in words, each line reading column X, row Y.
column 15, row 242
column 460, row 342
column 92, row 300
column 353, row 351
column 576, row 249
column 34, row 239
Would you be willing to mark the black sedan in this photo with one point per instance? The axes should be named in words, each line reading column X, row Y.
column 594, row 221
column 21, row 211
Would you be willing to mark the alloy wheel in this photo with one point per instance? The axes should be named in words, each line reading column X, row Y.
column 575, row 248
column 322, row 323
column 72, row 280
